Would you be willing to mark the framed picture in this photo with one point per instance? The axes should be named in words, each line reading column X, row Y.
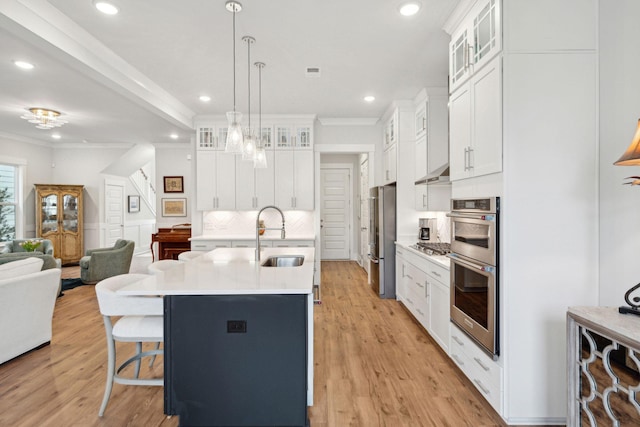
column 174, row 207
column 134, row 204
column 173, row 184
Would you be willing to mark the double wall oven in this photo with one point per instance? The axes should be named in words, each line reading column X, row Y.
column 474, row 269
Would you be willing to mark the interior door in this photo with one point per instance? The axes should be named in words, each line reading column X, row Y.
column 114, row 212
column 334, row 213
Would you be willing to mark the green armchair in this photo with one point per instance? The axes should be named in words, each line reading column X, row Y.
column 98, row 264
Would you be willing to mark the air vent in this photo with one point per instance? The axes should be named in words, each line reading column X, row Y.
column 312, row 72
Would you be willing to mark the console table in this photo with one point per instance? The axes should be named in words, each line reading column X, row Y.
column 603, row 352
column 171, row 242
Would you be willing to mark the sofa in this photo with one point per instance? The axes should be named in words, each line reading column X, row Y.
column 99, row 264
column 46, row 247
column 27, row 299
column 12, row 251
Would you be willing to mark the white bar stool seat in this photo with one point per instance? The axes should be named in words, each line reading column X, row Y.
column 142, row 321
column 189, row 255
column 162, row 266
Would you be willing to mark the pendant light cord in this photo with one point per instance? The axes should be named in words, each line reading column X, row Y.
column 234, row 58
column 249, row 81
column 260, row 106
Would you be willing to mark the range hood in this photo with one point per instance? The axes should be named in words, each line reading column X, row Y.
column 438, row 176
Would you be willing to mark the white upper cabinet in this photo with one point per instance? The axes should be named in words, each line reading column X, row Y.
column 475, row 42
column 391, row 130
column 475, row 119
column 294, row 181
column 226, row 182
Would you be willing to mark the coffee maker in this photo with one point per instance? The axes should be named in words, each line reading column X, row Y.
column 427, row 230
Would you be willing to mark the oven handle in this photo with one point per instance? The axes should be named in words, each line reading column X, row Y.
column 483, row 217
column 484, row 268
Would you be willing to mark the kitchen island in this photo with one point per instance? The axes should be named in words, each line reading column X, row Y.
column 238, row 337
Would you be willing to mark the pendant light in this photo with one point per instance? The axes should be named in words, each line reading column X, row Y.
column 260, row 155
column 235, row 140
column 249, row 146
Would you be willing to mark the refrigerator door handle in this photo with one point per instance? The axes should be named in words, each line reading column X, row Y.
column 374, row 259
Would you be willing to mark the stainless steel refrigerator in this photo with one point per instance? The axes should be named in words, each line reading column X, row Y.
column 382, row 236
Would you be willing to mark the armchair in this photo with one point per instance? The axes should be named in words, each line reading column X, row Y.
column 46, row 247
column 99, row 264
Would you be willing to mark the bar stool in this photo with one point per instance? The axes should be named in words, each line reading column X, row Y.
column 189, row 255
column 141, row 321
column 163, row 265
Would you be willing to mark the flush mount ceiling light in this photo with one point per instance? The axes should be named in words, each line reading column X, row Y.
column 205, row 98
column 409, row 9
column 24, row 65
column 105, row 7
column 369, row 98
column 235, row 139
column 173, row 136
column 43, row 118
column 56, row 136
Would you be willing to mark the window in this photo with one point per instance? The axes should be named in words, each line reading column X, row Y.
column 9, row 201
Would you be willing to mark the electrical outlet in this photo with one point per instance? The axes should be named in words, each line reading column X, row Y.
column 236, row 326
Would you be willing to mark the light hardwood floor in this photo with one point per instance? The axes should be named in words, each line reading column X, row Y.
column 374, row 366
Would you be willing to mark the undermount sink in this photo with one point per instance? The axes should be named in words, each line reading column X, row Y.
column 284, row 261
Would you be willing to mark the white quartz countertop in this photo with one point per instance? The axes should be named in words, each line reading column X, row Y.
column 442, row 260
column 230, row 271
column 267, row 236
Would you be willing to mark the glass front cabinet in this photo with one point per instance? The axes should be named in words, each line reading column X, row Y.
column 59, row 219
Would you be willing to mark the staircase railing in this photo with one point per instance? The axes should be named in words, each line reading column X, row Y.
column 145, row 188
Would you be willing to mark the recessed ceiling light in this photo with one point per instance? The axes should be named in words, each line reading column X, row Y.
column 105, row 7
column 409, row 9
column 205, row 98
column 369, row 98
column 24, row 65
column 56, row 136
column 174, row 136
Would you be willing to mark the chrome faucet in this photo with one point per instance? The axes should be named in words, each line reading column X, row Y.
column 258, row 228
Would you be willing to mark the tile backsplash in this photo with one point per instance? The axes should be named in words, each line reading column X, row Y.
column 225, row 223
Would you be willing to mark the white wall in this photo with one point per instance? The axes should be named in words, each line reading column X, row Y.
column 38, row 159
column 174, row 160
column 619, row 114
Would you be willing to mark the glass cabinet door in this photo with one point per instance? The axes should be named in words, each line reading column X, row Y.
column 49, row 203
column 484, row 31
column 70, row 213
column 459, row 61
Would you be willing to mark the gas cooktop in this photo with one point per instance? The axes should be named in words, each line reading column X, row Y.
column 433, row 248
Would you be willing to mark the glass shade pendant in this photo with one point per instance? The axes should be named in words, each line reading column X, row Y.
column 260, row 158
column 259, row 155
column 631, row 157
column 249, row 146
column 235, row 139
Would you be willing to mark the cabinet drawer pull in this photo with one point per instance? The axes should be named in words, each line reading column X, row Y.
column 457, row 340
column 409, row 277
column 482, row 365
column 420, row 285
column 420, row 311
column 199, row 246
column 481, row 386
column 409, row 299
column 435, row 273
column 457, row 359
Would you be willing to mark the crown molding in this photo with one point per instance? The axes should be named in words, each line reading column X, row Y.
column 348, row 121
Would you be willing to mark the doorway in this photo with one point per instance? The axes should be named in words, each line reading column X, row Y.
column 335, row 211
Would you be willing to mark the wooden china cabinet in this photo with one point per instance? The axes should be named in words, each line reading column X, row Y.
column 59, row 219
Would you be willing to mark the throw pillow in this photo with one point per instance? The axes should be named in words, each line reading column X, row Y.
column 20, row 267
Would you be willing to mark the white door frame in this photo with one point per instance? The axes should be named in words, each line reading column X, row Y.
column 320, row 149
column 350, row 210
column 105, row 229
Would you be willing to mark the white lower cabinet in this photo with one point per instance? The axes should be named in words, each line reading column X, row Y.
column 484, row 373
column 209, row 245
column 293, row 243
column 421, row 285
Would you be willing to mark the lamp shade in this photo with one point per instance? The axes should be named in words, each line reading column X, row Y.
column 631, row 157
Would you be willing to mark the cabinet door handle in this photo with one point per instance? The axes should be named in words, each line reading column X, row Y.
column 457, row 359
column 470, row 158
column 482, row 365
column 424, row 201
column 466, row 158
column 424, row 122
column 481, row 386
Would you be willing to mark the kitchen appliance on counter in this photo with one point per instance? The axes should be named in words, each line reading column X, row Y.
column 428, row 229
column 382, row 236
column 474, row 269
column 432, row 248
